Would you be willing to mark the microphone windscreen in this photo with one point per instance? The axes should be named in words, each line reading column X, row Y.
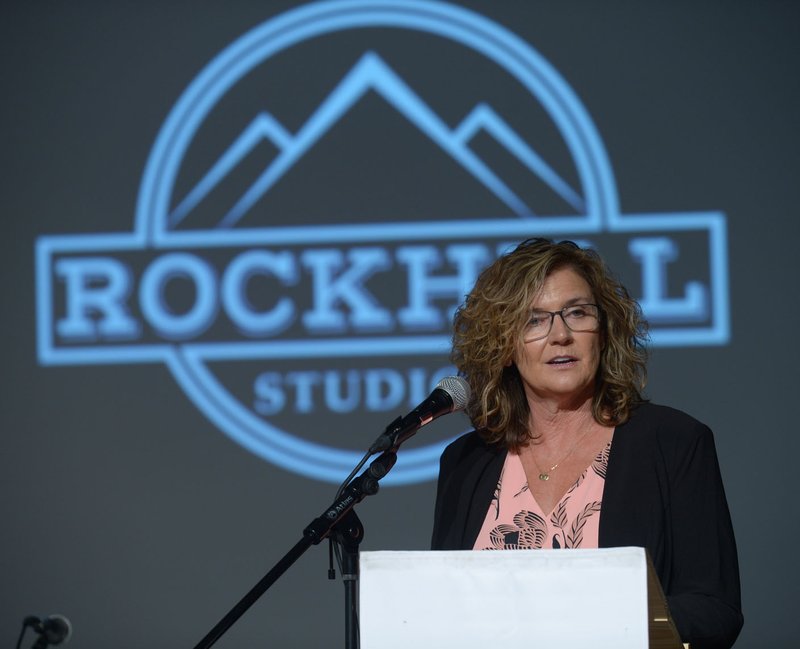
column 458, row 389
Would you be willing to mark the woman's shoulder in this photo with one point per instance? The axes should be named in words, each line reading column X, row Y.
column 465, row 443
column 667, row 424
column 468, row 445
column 657, row 435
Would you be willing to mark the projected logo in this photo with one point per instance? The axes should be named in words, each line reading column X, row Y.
column 318, row 203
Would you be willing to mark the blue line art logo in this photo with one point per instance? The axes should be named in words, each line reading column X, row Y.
column 372, row 73
column 316, row 206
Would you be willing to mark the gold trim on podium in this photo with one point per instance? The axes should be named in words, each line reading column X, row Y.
column 662, row 631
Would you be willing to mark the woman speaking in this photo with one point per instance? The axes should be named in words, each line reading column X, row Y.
column 566, row 453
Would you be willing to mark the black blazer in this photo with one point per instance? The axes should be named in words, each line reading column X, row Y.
column 663, row 492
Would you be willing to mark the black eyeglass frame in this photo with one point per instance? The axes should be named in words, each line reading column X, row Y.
column 560, row 312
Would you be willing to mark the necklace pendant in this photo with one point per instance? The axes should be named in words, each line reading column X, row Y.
column 544, row 477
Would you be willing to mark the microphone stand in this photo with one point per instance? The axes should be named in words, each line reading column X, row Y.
column 348, row 534
column 338, row 518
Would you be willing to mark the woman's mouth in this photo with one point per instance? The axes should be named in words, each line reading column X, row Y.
column 562, row 360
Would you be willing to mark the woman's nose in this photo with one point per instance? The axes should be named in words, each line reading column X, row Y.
column 559, row 329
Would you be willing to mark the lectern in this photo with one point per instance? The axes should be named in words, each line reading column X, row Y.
column 586, row 599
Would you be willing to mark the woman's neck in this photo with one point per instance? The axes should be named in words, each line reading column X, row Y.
column 551, row 423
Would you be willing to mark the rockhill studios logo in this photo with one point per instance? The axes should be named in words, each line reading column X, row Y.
column 320, row 200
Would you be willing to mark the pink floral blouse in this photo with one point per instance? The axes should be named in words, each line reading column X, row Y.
column 515, row 520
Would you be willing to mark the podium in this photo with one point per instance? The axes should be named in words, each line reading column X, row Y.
column 608, row 598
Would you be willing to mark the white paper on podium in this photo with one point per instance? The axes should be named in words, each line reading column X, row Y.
column 587, row 599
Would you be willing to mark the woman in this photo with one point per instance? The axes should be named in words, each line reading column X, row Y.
column 566, row 452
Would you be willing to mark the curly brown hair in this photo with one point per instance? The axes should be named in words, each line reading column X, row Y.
column 488, row 334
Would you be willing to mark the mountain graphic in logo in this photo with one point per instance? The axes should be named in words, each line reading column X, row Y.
column 371, row 73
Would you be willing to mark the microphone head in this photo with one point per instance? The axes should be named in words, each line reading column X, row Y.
column 458, row 390
column 56, row 629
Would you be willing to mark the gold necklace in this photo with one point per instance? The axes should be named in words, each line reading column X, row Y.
column 545, row 476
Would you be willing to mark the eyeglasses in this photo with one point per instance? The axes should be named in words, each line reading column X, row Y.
column 578, row 317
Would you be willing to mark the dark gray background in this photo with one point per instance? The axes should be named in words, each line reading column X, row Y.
column 126, row 510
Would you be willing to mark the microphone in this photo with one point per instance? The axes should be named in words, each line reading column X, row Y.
column 53, row 630
column 450, row 395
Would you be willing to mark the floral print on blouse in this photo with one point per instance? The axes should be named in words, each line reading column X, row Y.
column 515, row 520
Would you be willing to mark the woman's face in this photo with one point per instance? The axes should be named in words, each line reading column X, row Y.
column 561, row 367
